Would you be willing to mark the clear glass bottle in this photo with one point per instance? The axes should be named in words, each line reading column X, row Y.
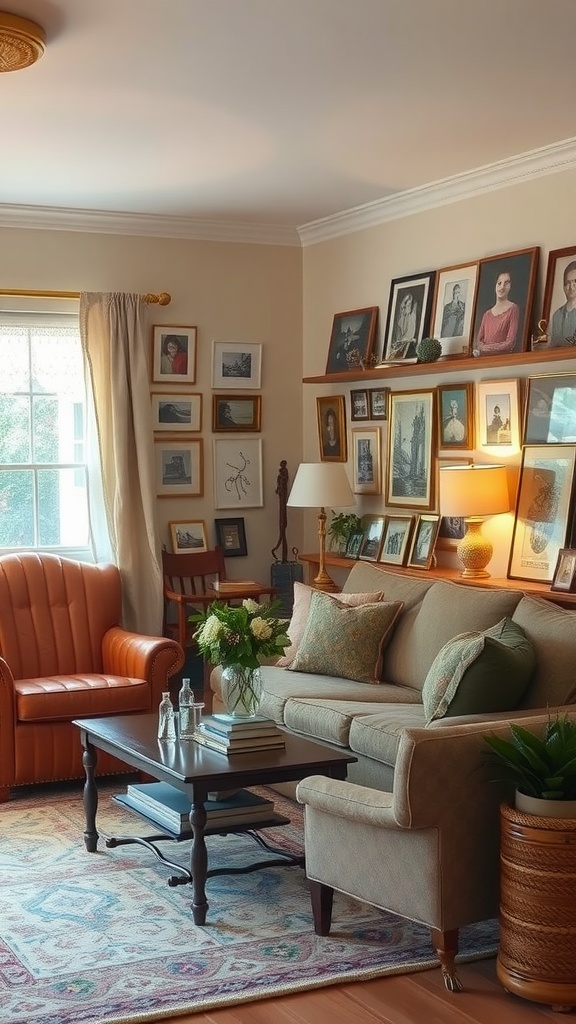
column 166, row 723
column 185, row 706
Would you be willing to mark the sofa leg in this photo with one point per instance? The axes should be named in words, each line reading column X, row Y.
column 322, row 897
column 446, row 946
column 4, row 794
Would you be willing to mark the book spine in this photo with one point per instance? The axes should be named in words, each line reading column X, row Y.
column 181, row 823
column 244, row 734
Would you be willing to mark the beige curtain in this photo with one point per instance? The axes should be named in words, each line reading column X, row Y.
column 114, row 331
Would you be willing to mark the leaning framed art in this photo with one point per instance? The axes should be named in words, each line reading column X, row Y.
column 455, row 416
column 550, row 413
column 372, row 539
column 498, row 403
column 503, row 305
column 174, row 354
column 408, row 318
column 410, row 470
column 565, row 571
column 544, row 509
column 452, row 308
column 423, row 541
column 188, row 535
column 397, row 532
column 351, row 339
column 559, row 306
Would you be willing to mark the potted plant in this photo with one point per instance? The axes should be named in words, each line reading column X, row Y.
column 543, row 767
column 342, row 526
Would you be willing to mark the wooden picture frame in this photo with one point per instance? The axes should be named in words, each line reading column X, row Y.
column 231, row 536
column 408, row 318
column 452, row 308
column 456, row 416
column 176, row 413
column 544, row 510
column 331, row 415
column 498, row 405
column 550, row 409
column 179, row 468
column 367, row 463
column 372, row 538
column 378, row 403
column 410, row 469
column 354, row 543
column 188, row 536
column 236, row 364
column 238, row 472
column 424, row 541
column 564, row 578
column 559, row 306
column 507, row 279
column 236, row 413
column 174, row 354
column 352, row 339
column 359, row 405
column 396, row 538
column 451, row 528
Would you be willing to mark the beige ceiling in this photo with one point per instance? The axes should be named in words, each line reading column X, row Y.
column 276, row 112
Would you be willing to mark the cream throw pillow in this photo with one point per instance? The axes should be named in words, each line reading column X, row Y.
column 301, row 607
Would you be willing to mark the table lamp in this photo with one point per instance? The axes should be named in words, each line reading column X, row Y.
column 321, row 484
column 474, row 493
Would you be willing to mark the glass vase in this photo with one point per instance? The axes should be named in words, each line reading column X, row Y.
column 241, row 690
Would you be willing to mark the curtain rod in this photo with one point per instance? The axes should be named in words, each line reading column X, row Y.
column 162, row 299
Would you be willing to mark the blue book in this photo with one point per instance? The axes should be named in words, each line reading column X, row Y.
column 160, row 800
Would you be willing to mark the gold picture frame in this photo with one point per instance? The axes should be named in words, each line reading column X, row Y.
column 331, row 414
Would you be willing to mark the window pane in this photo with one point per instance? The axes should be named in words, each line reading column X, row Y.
column 14, row 360
column 63, row 508
column 57, row 364
column 16, row 509
column 46, row 430
column 14, row 429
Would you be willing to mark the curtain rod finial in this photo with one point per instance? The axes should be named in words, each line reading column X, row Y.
column 163, row 299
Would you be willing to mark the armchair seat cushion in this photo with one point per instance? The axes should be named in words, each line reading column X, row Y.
column 82, row 696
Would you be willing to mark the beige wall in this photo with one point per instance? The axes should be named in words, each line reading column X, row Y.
column 356, row 270
column 232, row 292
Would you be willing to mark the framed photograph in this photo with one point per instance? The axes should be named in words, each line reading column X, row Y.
column 550, row 413
column 352, row 339
column 378, row 398
column 503, row 306
column 543, row 511
column 408, row 319
column 397, row 532
column 367, row 463
column 452, row 528
column 456, row 416
column 188, row 535
column 498, row 403
column 176, row 413
column 372, row 539
column 174, row 354
column 179, row 468
column 423, row 541
column 331, row 414
column 238, row 472
column 452, row 308
column 359, row 406
column 410, row 471
column 559, row 307
column 231, row 537
column 232, row 413
column 565, row 571
column 236, row 364
column 354, row 543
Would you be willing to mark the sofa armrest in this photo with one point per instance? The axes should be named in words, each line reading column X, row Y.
column 154, row 658
column 7, row 725
column 347, row 800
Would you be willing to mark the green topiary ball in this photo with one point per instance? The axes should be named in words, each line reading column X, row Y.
column 428, row 350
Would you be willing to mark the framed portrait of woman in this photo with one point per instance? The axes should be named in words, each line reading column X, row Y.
column 331, row 414
column 408, row 319
column 503, row 306
column 455, row 416
column 174, row 354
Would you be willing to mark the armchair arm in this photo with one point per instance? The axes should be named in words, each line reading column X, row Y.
column 7, row 725
column 347, row 800
column 154, row 658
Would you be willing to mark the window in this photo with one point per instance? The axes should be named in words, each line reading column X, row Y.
column 43, row 471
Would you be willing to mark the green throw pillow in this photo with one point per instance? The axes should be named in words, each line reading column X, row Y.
column 479, row 673
column 343, row 641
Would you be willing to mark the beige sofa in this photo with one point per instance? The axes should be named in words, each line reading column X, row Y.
column 415, row 829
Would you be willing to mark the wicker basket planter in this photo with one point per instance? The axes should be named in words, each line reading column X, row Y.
column 537, row 957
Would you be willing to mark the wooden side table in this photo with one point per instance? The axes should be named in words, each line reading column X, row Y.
column 537, row 956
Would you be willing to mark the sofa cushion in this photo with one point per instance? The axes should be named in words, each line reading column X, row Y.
column 479, row 672
column 54, row 698
column 326, row 720
column 345, row 642
column 377, row 735
column 301, row 607
column 551, row 630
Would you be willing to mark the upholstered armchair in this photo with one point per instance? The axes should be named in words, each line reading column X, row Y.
column 64, row 655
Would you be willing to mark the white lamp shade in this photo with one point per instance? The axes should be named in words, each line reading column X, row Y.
column 473, row 491
column 319, row 484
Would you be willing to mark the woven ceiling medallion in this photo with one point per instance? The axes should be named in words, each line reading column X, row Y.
column 21, row 42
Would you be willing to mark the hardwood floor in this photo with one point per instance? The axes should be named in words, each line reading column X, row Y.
column 401, row 999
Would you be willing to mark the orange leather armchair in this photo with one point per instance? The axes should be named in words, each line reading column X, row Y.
column 64, row 655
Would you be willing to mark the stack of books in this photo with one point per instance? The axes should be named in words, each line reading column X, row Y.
column 169, row 808
column 229, row 586
column 237, row 736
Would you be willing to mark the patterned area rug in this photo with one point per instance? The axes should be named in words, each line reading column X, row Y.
column 94, row 938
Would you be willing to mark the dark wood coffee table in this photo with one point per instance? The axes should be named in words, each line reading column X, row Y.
column 196, row 771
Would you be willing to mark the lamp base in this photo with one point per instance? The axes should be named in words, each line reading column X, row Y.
column 325, row 582
column 474, row 551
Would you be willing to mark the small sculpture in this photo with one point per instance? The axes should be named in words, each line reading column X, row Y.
column 428, row 350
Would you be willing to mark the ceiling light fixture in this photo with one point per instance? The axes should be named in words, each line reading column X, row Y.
column 22, row 42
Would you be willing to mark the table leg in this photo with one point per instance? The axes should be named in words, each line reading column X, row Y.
column 90, row 796
column 198, row 861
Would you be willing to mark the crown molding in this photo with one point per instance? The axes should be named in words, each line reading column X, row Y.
column 536, row 163
column 61, row 219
